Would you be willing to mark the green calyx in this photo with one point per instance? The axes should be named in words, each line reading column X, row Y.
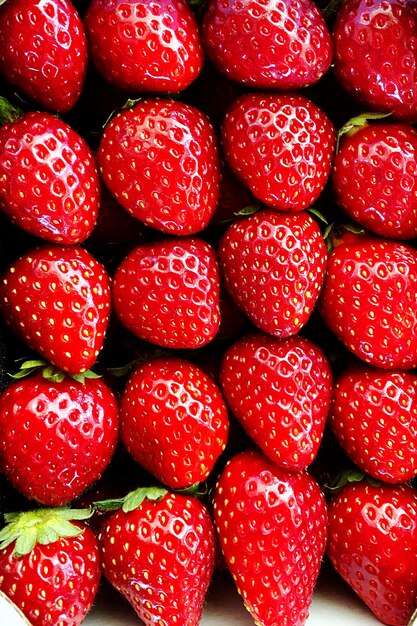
column 43, row 526
column 353, row 475
column 49, row 372
column 8, row 112
column 357, row 122
column 132, row 500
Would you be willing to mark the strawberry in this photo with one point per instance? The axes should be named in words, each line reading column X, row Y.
column 173, row 421
column 51, row 426
column 372, row 544
column 157, row 47
column 57, row 299
column 167, row 292
column 272, row 526
column 49, row 183
column 369, row 299
column 173, row 147
column 273, row 265
column 43, row 51
column 281, row 146
column 280, row 390
column 374, row 417
column 374, row 177
column 158, row 552
column 375, row 54
column 50, row 565
column 279, row 45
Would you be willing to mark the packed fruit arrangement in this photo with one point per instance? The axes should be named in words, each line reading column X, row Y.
column 208, row 304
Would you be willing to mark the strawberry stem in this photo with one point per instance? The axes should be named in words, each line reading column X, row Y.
column 42, row 526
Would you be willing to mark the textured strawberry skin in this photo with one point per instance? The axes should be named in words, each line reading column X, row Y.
column 57, row 299
column 173, row 147
column 374, row 416
column 280, row 391
column 279, row 45
column 56, row 439
column 49, row 183
column 174, row 421
column 157, row 47
column 65, row 575
column 375, row 56
column 160, row 557
column 43, row 51
column 281, row 145
column 369, row 300
column 374, row 179
column 372, row 544
column 273, row 265
column 167, row 292
column 272, row 526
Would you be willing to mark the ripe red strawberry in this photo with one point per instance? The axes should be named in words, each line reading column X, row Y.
column 167, row 292
column 372, row 544
column 273, row 265
column 280, row 390
column 174, row 421
column 56, row 436
column 369, row 300
column 272, row 526
column 158, row 552
column 276, row 45
column 49, row 183
column 43, row 51
column 57, row 299
column 157, row 47
column 281, row 145
column 375, row 54
column 374, row 417
column 50, row 565
column 159, row 159
column 374, row 178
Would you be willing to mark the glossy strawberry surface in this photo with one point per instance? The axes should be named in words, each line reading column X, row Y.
column 281, row 146
column 270, row 45
column 372, row 543
column 159, row 159
column 65, row 575
column 167, row 292
column 375, row 54
column 160, row 557
column 272, row 526
column 56, row 438
column 141, row 46
column 280, row 391
column 374, row 416
column 273, row 265
column 57, row 299
column 43, row 51
column 49, row 183
column 374, row 178
column 369, row 300
column 174, row 421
